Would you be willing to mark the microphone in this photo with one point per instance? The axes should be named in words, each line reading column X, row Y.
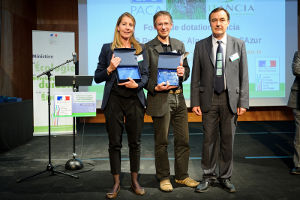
column 74, row 57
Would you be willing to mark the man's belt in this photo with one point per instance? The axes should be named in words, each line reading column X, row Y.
column 178, row 91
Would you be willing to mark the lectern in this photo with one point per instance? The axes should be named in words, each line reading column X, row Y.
column 74, row 81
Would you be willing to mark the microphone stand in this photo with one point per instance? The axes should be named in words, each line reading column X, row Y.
column 74, row 163
column 49, row 167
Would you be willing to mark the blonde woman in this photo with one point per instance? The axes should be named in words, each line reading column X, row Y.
column 123, row 101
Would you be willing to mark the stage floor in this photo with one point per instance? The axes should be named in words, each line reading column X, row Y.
column 262, row 159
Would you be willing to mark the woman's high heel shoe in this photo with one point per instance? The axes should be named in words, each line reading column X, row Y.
column 113, row 194
column 140, row 191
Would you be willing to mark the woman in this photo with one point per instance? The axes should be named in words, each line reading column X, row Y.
column 123, row 101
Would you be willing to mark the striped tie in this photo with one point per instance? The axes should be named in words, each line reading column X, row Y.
column 219, row 69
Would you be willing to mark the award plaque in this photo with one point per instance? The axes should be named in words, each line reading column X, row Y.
column 128, row 67
column 125, row 72
column 164, row 75
column 167, row 68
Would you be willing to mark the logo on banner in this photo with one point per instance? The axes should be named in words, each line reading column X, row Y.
column 267, row 63
column 53, row 38
column 193, row 9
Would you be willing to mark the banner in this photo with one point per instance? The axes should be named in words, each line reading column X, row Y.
column 50, row 49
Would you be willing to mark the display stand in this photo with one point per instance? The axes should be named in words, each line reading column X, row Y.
column 74, row 81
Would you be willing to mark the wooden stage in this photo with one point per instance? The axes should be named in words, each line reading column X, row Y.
column 278, row 113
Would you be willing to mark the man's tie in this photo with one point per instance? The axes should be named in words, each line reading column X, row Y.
column 219, row 69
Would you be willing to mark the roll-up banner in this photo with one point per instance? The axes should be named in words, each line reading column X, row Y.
column 50, row 49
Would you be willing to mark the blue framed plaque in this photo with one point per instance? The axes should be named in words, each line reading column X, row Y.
column 125, row 72
column 164, row 75
column 167, row 68
column 128, row 67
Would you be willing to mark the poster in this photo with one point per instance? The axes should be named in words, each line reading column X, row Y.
column 50, row 49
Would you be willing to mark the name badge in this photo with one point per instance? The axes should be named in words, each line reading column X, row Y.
column 140, row 58
column 234, row 57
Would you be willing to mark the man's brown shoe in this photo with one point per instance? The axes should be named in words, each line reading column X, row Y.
column 188, row 182
column 165, row 185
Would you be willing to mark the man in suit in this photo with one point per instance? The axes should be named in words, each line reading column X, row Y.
column 219, row 92
column 294, row 102
column 166, row 105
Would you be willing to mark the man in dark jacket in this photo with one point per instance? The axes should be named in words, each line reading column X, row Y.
column 294, row 102
column 166, row 105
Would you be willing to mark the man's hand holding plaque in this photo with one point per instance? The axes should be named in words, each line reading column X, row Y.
column 180, row 71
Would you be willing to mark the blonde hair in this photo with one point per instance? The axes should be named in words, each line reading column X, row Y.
column 117, row 43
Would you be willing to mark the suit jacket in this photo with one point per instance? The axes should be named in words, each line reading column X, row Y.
column 158, row 101
column 101, row 75
column 294, row 99
column 236, row 74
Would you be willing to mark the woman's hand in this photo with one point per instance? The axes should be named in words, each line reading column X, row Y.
column 130, row 84
column 114, row 62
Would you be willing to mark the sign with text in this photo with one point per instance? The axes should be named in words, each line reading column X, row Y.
column 84, row 104
column 79, row 104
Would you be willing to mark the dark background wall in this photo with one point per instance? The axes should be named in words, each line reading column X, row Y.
column 20, row 17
